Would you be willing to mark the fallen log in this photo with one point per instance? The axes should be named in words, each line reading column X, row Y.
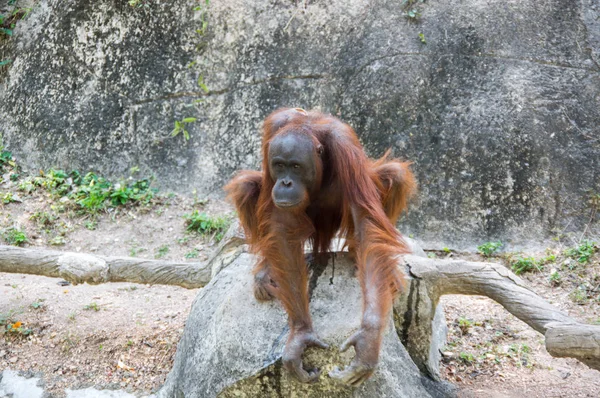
column 429, row 279
column 93, row 269
column 79, row 268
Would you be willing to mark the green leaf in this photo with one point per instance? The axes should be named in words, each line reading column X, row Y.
column 202, row 85
column 177, row 124
column 189, row 120
column 8, row 32
column 186, row 135
column 5, row 62
column 175, row 131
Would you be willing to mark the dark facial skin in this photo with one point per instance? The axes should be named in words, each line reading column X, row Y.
column 292, row 167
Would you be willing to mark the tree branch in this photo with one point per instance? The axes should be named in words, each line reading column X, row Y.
column 565, row 336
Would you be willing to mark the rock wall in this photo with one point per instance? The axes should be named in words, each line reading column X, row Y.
column 497, row 102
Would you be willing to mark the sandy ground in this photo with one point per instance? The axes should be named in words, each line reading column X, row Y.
column 123, row 335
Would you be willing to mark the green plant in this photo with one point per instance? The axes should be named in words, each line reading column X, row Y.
column 15, row 236
column 138, row 3
column 579, row 295
column 5, row 31
column 6, row 159
column 5, row 62
column 93, row 306
column 422, row 38
column 525, row 264
column 38, row 304
column 26, row 185
column 193, row 253
column 11, row 325
column 467, row 357
column 57, row 241
column 183, row 240
column 162, row 251
column 412, row 14
column 202, row 85
column 6, row 318
column 180, row 127
column 91, row 225
column 203, row 17
column 43, row 218
column 583, row 252
column 134, row 251
column 206, row 225
column 464, row 325
column 18, row 328
column 550, row 258
column 555, row 278
column 489, row 248
column 8, row 197
column 90, row 193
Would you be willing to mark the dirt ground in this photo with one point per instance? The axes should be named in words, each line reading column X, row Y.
column 123, row 335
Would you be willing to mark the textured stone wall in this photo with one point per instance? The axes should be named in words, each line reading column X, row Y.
column 499, row 109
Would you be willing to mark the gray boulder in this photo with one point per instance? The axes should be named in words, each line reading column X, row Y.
column 232, row 345
column 496, row 103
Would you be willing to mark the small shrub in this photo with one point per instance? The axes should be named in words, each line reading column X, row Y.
column 18, row 328
column 206, row 225
column 26, row 185
column 90, row 193
column 489, row 248
column 583, row 252
column 15, row 236
column 550, row 258
column 6, row 158
column 525, row 264
column 11, row 326
column 8, row 197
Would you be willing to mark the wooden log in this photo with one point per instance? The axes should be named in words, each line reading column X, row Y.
column 79, row 268
column 565, row 336
column 575, row 341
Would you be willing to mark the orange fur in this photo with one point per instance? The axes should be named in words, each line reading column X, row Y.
column 360, row 198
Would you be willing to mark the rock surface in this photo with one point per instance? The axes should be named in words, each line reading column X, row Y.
column 231, row 346
column 499, row 109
